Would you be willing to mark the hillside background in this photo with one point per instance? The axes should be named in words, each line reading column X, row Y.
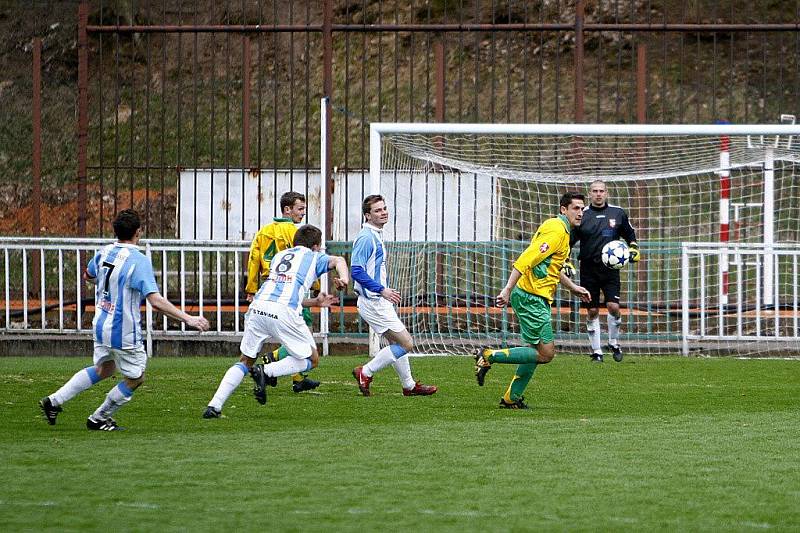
column 159, row 102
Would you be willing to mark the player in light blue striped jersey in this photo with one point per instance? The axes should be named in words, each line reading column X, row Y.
column 123, row 277
column 276, row 314
column 376, row 301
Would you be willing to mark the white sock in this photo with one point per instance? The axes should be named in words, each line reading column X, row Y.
column 613, row 329
column 287, row 366
column 82, row 380
column 403, row 368
column 382, row 359
column 118, row 396
column 593, row 329
column 232, row 378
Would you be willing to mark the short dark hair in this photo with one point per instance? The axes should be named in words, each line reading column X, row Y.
column 567, row 197
column 126, row 223
column 289, row 198
column 366, row 205
column 308, row 236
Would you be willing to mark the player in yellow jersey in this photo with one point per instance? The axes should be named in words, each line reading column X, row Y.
column 272, row 238
column 530, row 289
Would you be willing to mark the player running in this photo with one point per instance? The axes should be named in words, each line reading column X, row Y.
column 272, row 238
column 376, row 301
column 276, row 314
column 123, row 277
column 530, row 289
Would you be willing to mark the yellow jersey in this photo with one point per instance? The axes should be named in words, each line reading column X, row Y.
column 540, row 263
column 272, row 238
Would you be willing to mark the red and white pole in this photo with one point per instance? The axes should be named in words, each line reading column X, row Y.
column 724, row 211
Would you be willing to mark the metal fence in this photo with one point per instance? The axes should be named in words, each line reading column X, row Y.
column 44, row 295
column 161, row 86
column 737, row 295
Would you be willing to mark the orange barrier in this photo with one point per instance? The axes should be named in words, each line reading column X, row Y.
column 35, row 305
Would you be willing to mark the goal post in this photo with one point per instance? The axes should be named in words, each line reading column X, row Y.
column 466, row 198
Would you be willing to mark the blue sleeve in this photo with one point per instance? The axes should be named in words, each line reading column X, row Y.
column 143, row 279
column 362, row 249
column 360, row 275
column 626, row 229
column 91, row 268
column 322, row 264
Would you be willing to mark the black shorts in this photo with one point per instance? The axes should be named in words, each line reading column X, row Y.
column 596, row 277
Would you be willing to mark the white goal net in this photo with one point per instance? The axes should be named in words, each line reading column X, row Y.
column 715, row 210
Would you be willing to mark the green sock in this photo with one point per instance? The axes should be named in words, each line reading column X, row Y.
column 514, row 356
column 520, row 382
column 280, row 353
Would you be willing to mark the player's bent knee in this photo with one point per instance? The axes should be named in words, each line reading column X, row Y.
column 546, row 353
column 105, row 369
column 249, row 361
column 133, row 383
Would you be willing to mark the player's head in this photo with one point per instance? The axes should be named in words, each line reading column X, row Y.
column 308, row 236
column 571, row 206
column 375, row 211
column 293, row 205
column 126, row 224
column 598, row 193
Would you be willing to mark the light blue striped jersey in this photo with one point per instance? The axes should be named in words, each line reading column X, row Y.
column 291, row 274
column 124, row 277
column 369, row 253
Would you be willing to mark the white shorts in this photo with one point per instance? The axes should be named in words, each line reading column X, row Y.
column 276, row 322
column 380, row 314
column 130, row 361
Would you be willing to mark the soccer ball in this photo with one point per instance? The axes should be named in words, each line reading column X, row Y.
column 615, row 254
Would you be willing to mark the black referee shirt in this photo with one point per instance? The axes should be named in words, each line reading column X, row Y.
column 599, row 226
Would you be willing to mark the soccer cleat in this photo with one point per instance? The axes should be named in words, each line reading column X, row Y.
column 482, row 365
column 420, row 390
column 50, row 411
column 260, row 387
column 616, row 351
column 267, row 358
column 519, row 403
column 304, row 385
column 104, row 425
column 210, row 412
column 362, row 379
column 597, row 358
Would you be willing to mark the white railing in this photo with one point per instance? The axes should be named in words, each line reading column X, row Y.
column 727, row 295
column 44, row 293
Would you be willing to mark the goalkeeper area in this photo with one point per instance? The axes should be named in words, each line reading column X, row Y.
column 715, row 208
column 655, row 443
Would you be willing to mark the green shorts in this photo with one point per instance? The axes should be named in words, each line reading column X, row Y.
column 534, row 317
column 307, row 317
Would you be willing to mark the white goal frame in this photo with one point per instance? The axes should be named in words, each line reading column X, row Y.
column 754, row 131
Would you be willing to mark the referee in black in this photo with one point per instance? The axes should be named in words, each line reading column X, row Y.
column 601, row 224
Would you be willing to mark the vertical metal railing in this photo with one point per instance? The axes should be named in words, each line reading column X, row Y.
column 758, row 308
column 189, row 102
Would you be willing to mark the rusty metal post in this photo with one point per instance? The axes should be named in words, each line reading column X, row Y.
column 327, row 90
column 642, row 199
column 438, row 54
column 36, row 163
column 579, row 85
column 36, row 193
column 83, row 121
column 641, row 83
column 246, row 102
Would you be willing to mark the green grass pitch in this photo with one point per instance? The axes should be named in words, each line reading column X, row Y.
column 659, row 443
